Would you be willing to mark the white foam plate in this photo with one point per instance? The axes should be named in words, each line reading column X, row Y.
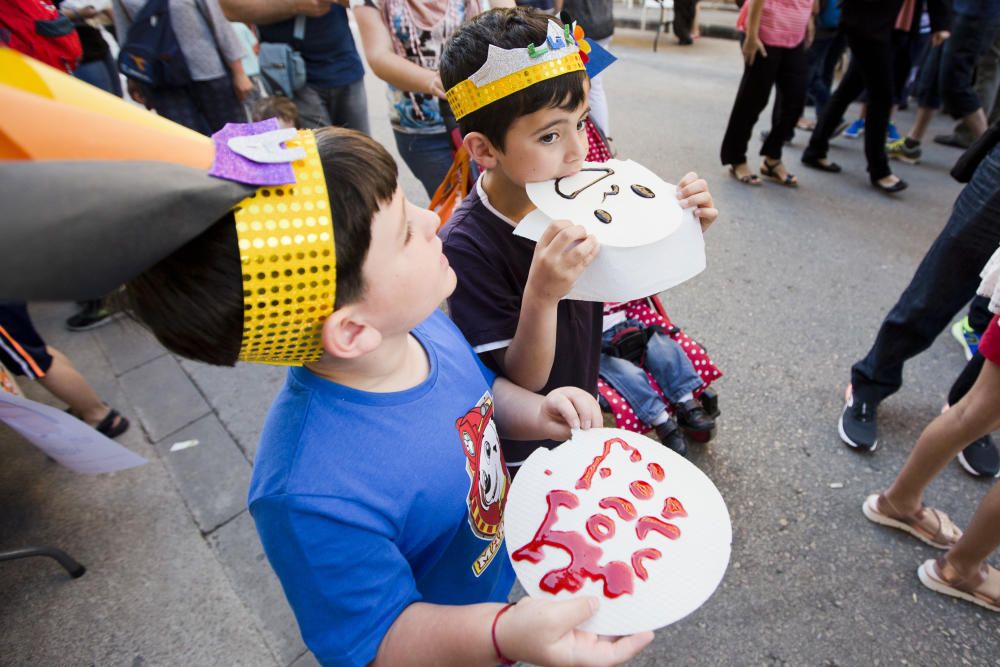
column 694, row 551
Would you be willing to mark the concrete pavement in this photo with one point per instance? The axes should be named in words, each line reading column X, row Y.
column 798, row 281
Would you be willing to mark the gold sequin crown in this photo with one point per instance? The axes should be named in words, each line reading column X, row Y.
column 507, row 71
column 289, row 264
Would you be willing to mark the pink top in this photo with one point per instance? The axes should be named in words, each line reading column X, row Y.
column 782, row 22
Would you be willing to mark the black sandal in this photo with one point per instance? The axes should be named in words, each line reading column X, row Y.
column 748, row 179
column 770, row 171
column 111, row 428
column 817, row 163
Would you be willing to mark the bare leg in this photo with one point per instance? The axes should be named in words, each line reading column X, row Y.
column 65, row 383
column 975, row 415
column 922, row 119
column 980, row 539
column 976, row 122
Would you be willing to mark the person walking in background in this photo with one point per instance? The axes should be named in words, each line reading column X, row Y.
column 943, row 283
column 868, row 26
column 597, row 19
column 214, row 56
column 402, row 40
column 949, row 71
column 684, row 18
column 334, row 91
column 962, row 571
column 777, row 34
column 23, row 352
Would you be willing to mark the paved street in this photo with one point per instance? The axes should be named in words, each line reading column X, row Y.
column 796, row 285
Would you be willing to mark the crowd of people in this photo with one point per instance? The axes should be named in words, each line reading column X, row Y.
column 388, row 363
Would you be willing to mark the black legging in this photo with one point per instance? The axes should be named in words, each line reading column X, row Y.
column 871, row 70
column 783, row 69
column 979, row 319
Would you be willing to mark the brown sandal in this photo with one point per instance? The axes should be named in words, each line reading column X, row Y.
column 928, row 525
column 983, row 588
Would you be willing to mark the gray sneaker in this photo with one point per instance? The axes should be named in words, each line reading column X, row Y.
column 981, row 458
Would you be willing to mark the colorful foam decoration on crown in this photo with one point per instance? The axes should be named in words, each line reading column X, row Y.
column 507, row 71
column 97, row 190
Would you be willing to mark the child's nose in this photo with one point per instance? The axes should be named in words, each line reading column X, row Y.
column 579, row 145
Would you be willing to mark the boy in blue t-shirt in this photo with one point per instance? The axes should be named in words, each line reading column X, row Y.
column 509, row 300
column 378, row 487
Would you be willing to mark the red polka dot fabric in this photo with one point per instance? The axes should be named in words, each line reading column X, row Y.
column 650, row 311
column 598, row 151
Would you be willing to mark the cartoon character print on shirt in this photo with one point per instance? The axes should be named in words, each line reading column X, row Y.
column 488, row 477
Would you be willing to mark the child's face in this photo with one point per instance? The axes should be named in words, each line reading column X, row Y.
column 406, row 275
column 549, row 143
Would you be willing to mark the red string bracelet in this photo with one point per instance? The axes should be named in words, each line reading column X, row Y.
column 493, row 632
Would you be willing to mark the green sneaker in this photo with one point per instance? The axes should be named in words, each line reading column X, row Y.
column 900, row 150
column 966, row 337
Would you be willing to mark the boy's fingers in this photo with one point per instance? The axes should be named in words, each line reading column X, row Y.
column 567, row 614
column 696, row 186
column 567, row 411
column 552, row 231
column 588, row 409
column 686, row 180
column 626, row 648
column 699, row 199
column 584, row 253
column 567, row 237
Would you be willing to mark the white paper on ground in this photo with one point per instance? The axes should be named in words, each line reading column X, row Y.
column 66, row 439
column 640, row 256
column 691, row 566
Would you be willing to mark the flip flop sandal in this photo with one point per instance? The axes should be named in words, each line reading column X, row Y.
column 748, row 179
column 982, row 589
column 770, row 171
column 928, row 525
column 113, row 424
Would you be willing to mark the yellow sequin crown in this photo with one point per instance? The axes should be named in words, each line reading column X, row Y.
column 289, row 264
column 507, row 71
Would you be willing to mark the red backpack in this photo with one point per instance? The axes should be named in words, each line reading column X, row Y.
column 37, row 29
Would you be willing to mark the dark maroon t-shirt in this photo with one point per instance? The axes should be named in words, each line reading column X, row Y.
column 492, row 268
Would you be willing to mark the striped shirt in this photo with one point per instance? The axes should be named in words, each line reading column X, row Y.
column 782, row 22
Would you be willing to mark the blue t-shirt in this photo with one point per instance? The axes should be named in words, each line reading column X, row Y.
column 368, row 502
column 328, row 47
column 987, row 9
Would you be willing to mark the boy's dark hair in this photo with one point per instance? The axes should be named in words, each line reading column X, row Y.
column 192, row 300
column 508, row 28
column 276, row 106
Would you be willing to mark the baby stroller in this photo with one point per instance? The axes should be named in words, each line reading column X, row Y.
column 650, row 311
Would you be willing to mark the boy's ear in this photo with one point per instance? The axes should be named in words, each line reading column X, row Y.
column 346, row 334
column 481, row 150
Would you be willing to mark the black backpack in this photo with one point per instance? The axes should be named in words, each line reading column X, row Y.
column 150, row 52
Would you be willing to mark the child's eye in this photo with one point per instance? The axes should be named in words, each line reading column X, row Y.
column 550, row 138
column 580, row 126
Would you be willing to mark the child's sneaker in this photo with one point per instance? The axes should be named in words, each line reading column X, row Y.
column 893, row 134
column 981, row 458
column 904, row 150
column 855, row 129
column 672, row 438
column 966, row 337
column 694, row 420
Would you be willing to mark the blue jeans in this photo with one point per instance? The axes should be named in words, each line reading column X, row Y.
column 341, row 106
column 944, row 282
column 429, row 157
column 665, row 360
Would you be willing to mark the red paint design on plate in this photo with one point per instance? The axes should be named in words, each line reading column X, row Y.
column 600, row 527
column 548, row 472
column 584, row 557
column 655, row 471
column 641, row 490
column 651, row 523
column 624, row 508
column 639, row 556
column 673, row 508
column 604, row 472
column 588, row 474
